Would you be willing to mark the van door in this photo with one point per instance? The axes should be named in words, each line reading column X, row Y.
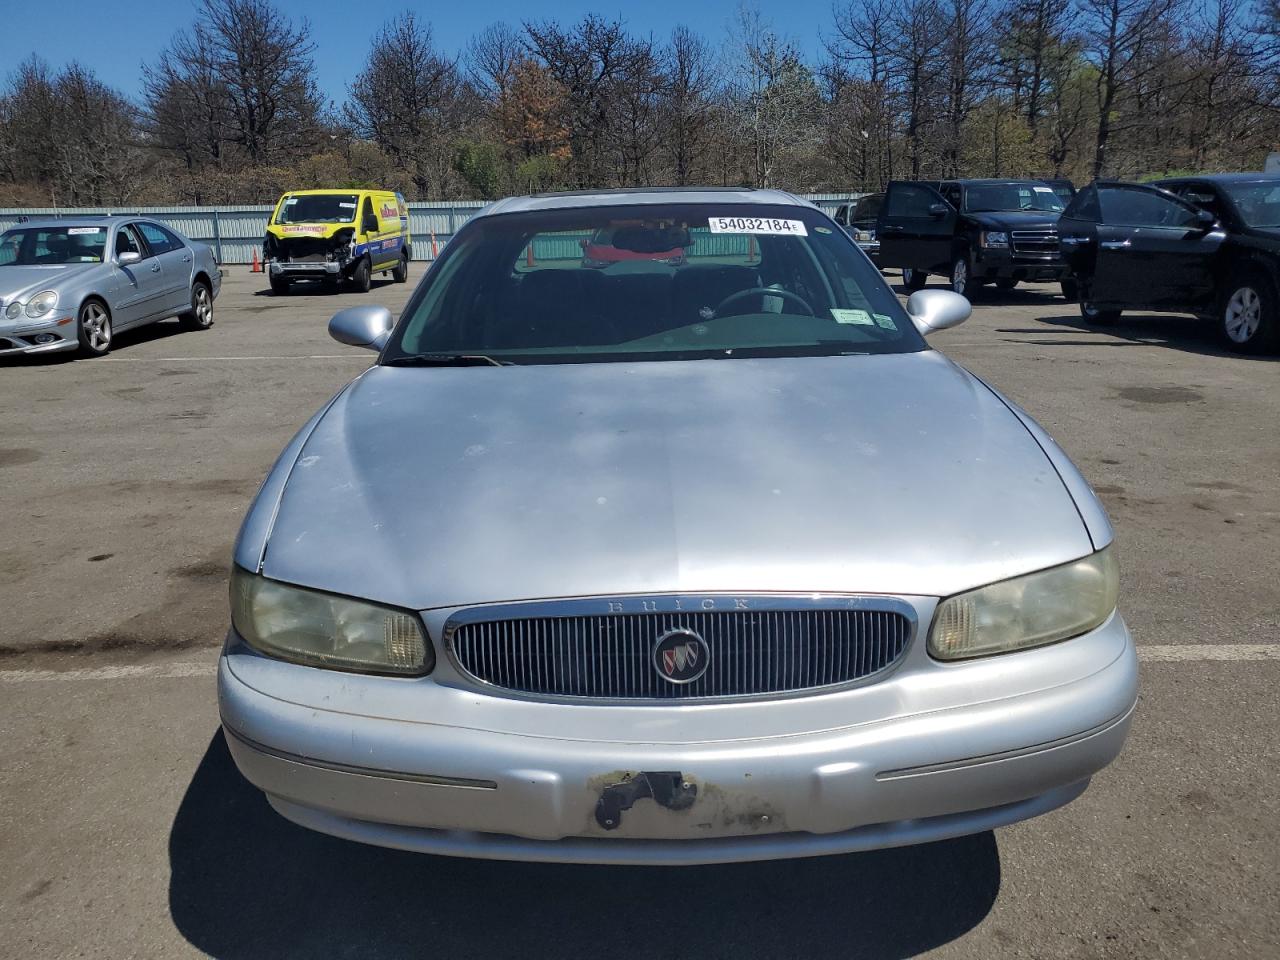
column 915, row 227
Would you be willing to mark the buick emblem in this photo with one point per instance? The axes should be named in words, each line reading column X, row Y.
column 681, row 656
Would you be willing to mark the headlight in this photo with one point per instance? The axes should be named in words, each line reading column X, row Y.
column 42, row 304
column 995, row 238
column 1029, row 611
column 13, row 311
column 323, row 630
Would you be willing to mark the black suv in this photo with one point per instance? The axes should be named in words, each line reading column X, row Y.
column 971, row 231
column 1205, row 245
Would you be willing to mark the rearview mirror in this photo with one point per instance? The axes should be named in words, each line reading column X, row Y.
column 366, row 326
column 128, row 257
column 932, row 310
column 370, row 224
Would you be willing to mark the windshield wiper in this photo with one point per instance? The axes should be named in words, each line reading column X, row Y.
column 443, row 360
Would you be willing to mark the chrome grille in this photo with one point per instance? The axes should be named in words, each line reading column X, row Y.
column 1039, row 243
column 611, row 656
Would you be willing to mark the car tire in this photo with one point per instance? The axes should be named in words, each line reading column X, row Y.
column 361, row 277
column 400, row 273
column 960, row 279
column 1070, row 291
column 200, row 316
column 280, row 286
column 1247, row 314
column 93, row 328
column 1006, row 283
column 1098, row 318
column 913, row 280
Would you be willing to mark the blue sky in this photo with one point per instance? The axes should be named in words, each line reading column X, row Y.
column 114, row 38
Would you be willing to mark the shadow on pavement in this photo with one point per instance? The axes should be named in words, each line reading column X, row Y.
column 247, row 883
column 1184, row 333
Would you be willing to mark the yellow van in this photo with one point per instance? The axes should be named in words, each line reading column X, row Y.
column 337, row 237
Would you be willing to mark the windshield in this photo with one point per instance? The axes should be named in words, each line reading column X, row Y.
column 750, row 281
column 1005, row 197
column 318, row 208
column 1258, row 202
column 31, row 246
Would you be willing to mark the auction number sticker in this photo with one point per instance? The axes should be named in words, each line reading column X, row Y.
column 770, row 225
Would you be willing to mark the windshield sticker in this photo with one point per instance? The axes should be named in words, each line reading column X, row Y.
column 77, row 231
column 766, row 225
column 1043, row 189
column 860, row 317
column 884, row 321
column 346, row 206
column 289, row 200
column 823, row 230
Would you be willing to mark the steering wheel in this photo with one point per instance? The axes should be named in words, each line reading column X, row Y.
column 765, row 292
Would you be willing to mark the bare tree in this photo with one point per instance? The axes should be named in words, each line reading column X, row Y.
column 411, row 101
column 686, row 112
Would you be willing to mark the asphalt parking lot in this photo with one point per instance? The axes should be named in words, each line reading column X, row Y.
column 126, row 831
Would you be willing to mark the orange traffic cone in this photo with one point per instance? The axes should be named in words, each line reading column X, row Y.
column 528, row 255
column 434, row 251
column 256, row 267
column 751, row 248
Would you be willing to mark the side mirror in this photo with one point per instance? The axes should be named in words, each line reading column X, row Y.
column 938, row 210
column 1206, row 220
column 932, row 310
column 128, row 257
column 370, row 224
column 366, row 326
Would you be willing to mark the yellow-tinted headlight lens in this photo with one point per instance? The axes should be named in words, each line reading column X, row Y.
column 1030, row 611
column 323, row 630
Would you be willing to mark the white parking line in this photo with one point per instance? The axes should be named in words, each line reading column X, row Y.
column 313, row 356
column 1150, row 653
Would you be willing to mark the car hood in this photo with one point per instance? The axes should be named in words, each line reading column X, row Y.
column 880, row 474
column 1014, row 220
column 19, row 282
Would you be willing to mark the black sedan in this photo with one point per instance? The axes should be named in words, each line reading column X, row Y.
column 1208, row 246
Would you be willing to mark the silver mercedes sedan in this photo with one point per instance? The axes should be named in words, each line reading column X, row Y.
column 669, row 563
column 73, row 284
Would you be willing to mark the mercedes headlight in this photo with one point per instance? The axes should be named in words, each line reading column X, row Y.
column 324, row 630
column 42, row 304
column 1028, row 611
column 13, row 311
column 995, row 238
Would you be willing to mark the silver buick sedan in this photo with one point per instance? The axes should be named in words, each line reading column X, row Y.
column 669, row 562
column 73, row 284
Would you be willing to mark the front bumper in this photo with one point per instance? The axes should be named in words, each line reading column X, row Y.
column 931, row 751
column 43, row 336
column 306, row 269
column 1001, row 264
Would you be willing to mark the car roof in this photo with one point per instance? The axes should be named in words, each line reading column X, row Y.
column 641, row 196
column 1224, row 178
column 976, row 181
column 81, row 220
column 345, row 191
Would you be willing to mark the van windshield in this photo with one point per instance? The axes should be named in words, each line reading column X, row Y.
column 671, row 281
column 318, row 208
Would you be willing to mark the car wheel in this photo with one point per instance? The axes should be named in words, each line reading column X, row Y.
column 1248, row 314
column 1006, row 283
column 200, row 316
column 913, row 279
column 279, row 286
column 1070, row 291
column 1098, row 318
column 361, row 277
column 93, row 328
column 960, row 276
column 401, row 271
